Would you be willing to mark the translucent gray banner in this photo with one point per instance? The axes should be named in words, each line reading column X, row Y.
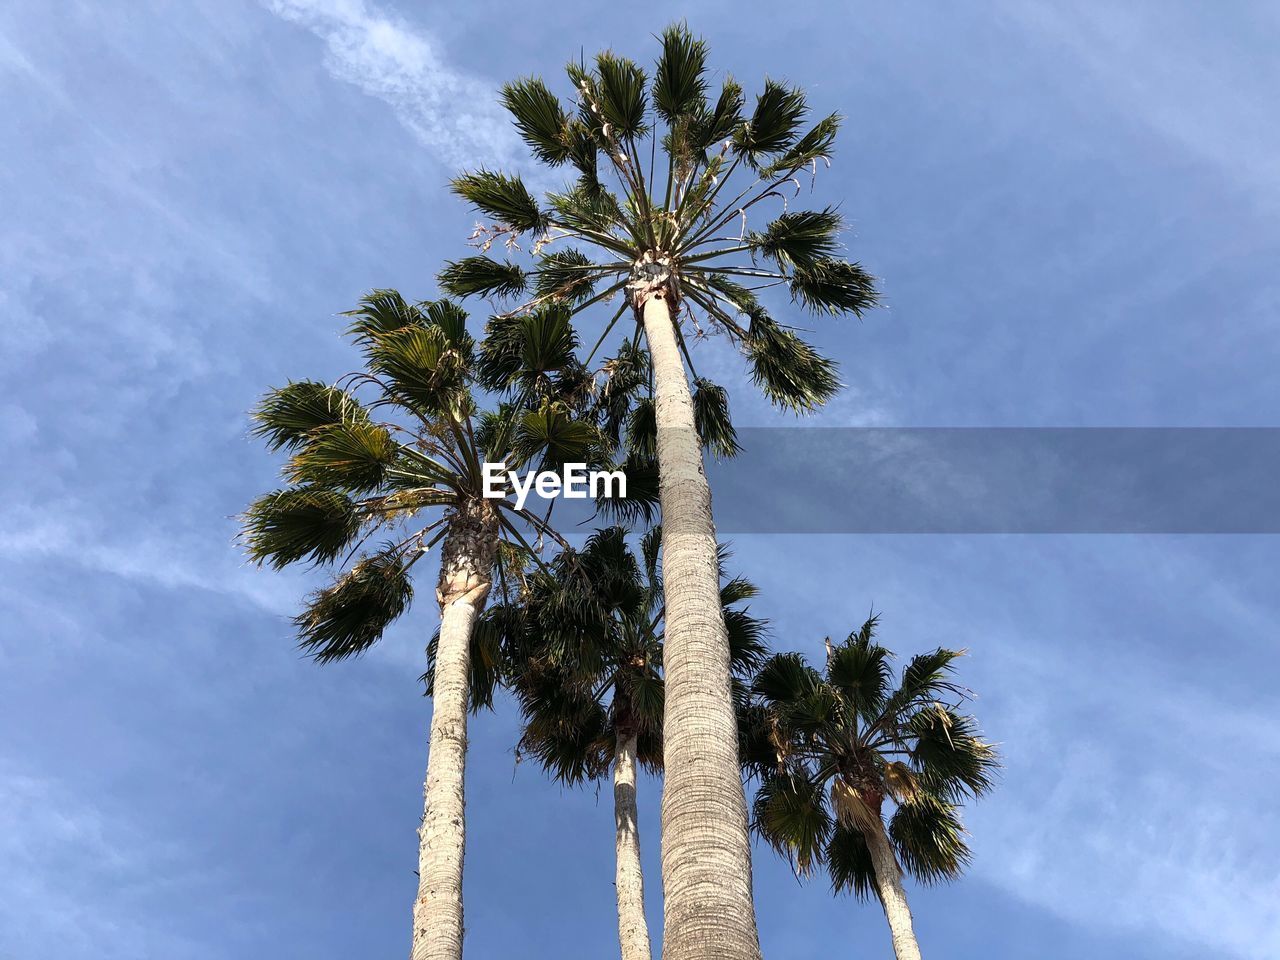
column 1000, row 480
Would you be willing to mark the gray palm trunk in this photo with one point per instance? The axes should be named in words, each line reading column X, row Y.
column 891, row 893
column 633, row 929
column 706, row 856
column 465, row 577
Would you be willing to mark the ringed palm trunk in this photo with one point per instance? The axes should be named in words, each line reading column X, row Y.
column 706, row 857
column 465, row 576
column 633, row 929
column 890, row 891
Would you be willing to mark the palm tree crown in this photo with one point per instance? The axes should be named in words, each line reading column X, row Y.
column 360, row 469
column 583, row 653
column 829, row 748
column 673, row 212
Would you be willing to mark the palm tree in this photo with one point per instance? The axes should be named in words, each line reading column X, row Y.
column 829, row 749
column 668, row 176
column 412, row 473
column 583, row 646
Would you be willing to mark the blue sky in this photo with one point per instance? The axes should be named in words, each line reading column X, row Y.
column 1074, row 210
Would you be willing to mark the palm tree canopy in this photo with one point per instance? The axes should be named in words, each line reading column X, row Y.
column 828, row 748
column 665, row 177
column 581, row 649
column 396, row 450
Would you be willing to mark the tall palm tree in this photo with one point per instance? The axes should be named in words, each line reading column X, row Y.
column 406, row 463
column 830, row 748
column 668, row 176
column 583, row 646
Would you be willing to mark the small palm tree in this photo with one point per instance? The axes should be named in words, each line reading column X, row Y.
column 583, row 647
column 406, row 464
column 668, row 176
column 830, row 748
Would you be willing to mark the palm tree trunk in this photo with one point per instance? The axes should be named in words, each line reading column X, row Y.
column 706, row 857
column 465, row 571
column 891, row 893
column 633, row 929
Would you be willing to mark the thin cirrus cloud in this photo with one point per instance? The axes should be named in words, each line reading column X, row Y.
column 450, row 112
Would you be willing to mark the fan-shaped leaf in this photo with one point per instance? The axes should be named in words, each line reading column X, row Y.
column 482, row 276
column 302, row 523
column 286, row 417
column 505, row 199
column 348, row 617
column 834, row 286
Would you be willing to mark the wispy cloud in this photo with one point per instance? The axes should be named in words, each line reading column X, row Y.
column 1106, row 829
column 1182, row 77
column 451, row 112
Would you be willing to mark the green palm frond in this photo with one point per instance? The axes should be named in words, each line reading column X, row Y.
column 832, row 286
column 711, row 418
column 862, row 672
column 301, row 523
column 772, row 129
column 348, row 617
column 381, row 311
column 815, row 145
column 482, row 277
column 679, row 84
column 286, row 417
column 800, row 239
column 786, row 679
column 721, row 121
column 555, row 435
column 640, row 505
column 785, row 368
column 566, row 275
column 952, row 759
column 420, row 368
column 622, row 97
column 850, row 864
column 351, row 456
column 929, row 839
column 540, row 118
column 521, row 351
column 790, row 815
column 748, row 646
column 504, row 198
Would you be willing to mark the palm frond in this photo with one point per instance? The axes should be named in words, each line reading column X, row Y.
column 286, row 417
column 301, row 523
column 540, row 118
column 833, row 286
column 352, row 456
column 928, row 838
column 504, row 198
column 951, row 757
column 850, row 863
column 348, row 617
column 566, row 275
column 622, row 97
column 800, row 239
column 787, row 369
column 679, row 84
column 789, row 814
column 778, row 113
column 483, row 277
column 711, row 418
column 420, row 368
column 813, row 146
column 720, row 122
column 381, row 311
